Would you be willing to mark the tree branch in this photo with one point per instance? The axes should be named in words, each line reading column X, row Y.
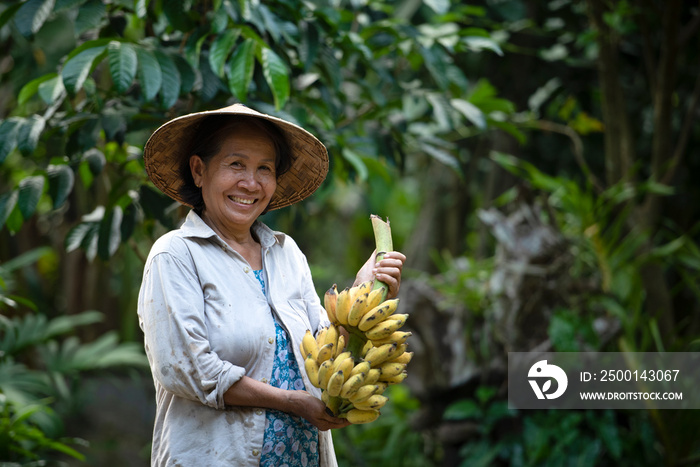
column 682, row 144
column 577, row 144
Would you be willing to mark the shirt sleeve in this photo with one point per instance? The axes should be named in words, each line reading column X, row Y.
column 171, row 308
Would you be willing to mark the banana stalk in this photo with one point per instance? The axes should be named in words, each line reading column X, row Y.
column 383, row 242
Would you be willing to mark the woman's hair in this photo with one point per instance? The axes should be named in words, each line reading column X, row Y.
column 208, row 139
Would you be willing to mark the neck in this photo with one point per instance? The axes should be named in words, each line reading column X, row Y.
column 240, row 236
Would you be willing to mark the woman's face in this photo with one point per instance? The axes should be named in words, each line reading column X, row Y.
column 238, row 182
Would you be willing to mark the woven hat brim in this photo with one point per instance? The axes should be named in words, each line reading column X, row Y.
column 167, row 148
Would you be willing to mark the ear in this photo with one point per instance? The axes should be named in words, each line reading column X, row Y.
column 197, row 168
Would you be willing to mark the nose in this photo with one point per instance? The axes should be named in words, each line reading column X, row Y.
column 248, row 179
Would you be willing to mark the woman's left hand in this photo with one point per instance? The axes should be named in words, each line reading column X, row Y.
column 388, row 270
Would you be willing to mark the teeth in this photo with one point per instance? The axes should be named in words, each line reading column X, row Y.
column 241, row 200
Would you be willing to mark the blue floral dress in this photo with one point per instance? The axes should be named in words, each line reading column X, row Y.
column 289, row 441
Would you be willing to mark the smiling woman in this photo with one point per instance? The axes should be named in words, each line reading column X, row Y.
column 225, row 300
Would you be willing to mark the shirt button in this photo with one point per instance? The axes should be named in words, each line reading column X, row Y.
column 256, row 452
column 264, row 380
column 271, row 340
column 258, row 412
column 246, row 270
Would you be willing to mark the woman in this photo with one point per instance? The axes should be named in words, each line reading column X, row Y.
column 225, row 301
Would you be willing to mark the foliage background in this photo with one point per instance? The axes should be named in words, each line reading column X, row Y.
column 558, row 133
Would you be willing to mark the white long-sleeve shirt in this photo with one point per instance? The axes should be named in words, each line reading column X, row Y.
column 206, row 323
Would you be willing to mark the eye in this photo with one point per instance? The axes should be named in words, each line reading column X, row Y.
column 237, row 164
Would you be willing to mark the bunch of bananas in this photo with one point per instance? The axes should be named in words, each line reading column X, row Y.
column 353, row 375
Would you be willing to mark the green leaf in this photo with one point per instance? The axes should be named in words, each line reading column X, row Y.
column 29, row 133
column 122, row 64
column 76, row 70
column 95, row 159
column 110, row 233
column 220, row 50
column 30, row 190
column 170, row 86
column 276, row 75
column 31, row 88
column 463, row 409
column 90, row 16
column 7, row 204
column 8, row 136
column 356, row 161
column 241, row 68
column 9, row 13
column 61, row 180
column 149, row 73
column 477, row 44
column 188, row 78
column 32, row 15
column 51, row 90
column 211, row 84
column 471, row 112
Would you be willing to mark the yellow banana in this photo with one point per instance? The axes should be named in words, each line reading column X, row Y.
column 401, row 317
column 372, row 376
column 393, row 379
column 400, row 348
column 339, row 360
column 356, row 416
column 325, row 352
column 330, row 299
column 383, row 329
column 362, row 367
column 342, row 307
column 335, row 383
column 357, row 310
column 398, row 337
column 333, row 404
column 360, row 289
column 404, row 358
column 365, row 348
column 324, row 373
column 380, row 354
column 320, row 337
column 378, row 314
column 375, row 298
column 364, row 392
column 351, row 385
column 311, row 366
column 331, row 335
column 390, row 369
column 375, row 401
column 309, row 345
column 340, row 348
column 381, row 387
column 346, row 366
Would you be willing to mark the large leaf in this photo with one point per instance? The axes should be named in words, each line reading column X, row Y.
column 61, row 180
column 90, row 16
column 170, row 86
column 471, row 112
column 29, row 133
column 8, row 136
column 32, row 15
column 240, row 69
column 122, row 64
column 211, row 84
column 8, row 201
column 149, row 73
column 276, row 75
column 50, row 90
column 31, row 88
column 30, row 190
column 76, row 70
column 220, row 50
column 110, row 233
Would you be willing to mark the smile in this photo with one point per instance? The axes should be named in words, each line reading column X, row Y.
column 241, row 200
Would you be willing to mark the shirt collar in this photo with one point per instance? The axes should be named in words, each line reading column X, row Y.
column 194, row 226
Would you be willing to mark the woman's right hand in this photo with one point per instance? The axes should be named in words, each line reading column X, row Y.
column 312, row 409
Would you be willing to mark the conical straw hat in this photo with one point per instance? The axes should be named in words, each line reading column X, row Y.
column 167, row 148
